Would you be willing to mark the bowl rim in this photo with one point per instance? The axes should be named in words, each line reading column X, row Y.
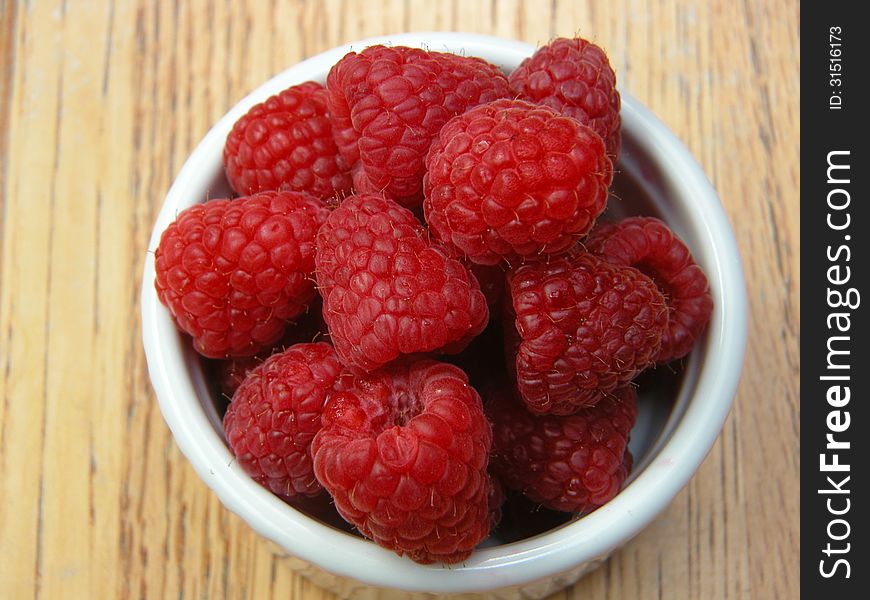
column 516, row 563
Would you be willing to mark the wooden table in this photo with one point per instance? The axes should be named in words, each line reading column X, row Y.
column 100, row 103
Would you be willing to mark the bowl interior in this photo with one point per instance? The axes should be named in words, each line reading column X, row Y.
column 681, row 408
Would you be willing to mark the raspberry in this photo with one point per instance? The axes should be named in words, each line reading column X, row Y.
column 574, row 77
column 509, row 179
column 649, row 245
column 286, row 143
column 386, row 290
column 275, row 414
column 584, row 327
column 387, row 104
column 404, row 453
column 572, row 463
column 232, row 272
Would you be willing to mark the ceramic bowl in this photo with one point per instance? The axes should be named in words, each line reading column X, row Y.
column 676, row 428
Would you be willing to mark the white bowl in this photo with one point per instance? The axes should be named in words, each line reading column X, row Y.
column 673, row 435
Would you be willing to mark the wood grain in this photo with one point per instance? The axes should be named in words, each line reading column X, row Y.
column 100, row 103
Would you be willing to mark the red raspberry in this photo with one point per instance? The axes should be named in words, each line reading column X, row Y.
column 275, row 414
column 404, row 453
column 574, row 77
column 386, row 290
column 584, row 327
column 387, row 105
column 509, row 179
column 571, row 463
column 286, row 143
column 649, row 245
column 232, row 272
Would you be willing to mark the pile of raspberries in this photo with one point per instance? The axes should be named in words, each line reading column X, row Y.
column 411, row 303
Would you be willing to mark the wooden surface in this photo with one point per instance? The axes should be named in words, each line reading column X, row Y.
column 100, row 103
